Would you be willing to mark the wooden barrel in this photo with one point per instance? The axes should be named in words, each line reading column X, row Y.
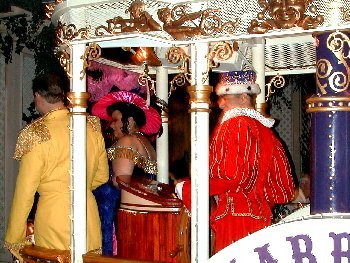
column 148, row 223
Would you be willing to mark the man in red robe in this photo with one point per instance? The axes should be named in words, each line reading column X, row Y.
column 249, row 170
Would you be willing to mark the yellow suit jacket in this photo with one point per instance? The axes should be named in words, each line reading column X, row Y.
column 43, row 148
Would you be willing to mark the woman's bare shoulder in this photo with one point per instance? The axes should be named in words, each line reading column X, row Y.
column 127, row 141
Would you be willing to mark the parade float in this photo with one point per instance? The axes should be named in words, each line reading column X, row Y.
column 191, row 40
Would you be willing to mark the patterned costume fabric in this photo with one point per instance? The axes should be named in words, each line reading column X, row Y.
column 108, row 201
column 44, row 154
column 108, row 196
column 249, row 173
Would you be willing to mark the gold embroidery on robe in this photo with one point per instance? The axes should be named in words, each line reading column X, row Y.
column 128, row 153
column 17, row 246
column 94, row 122
column 30, row 136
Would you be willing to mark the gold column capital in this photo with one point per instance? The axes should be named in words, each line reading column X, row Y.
column 200, row 94
column 329, row 103
column 262, row 107
column 78, row 99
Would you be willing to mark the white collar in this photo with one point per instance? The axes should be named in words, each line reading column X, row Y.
column 268, row 122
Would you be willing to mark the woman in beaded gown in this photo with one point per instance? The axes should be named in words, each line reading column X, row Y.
column 132, row 154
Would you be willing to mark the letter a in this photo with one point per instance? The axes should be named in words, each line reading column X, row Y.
column 264, row 254
column 297, row 254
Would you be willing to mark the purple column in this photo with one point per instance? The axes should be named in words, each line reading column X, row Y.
column 330, row 125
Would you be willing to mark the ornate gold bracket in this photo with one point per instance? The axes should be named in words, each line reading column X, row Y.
column 147, row 81
column 221, row 51
column 174, row 55
column 64, row 60
column 92, row 52
column 66, row 33
column 277, row 82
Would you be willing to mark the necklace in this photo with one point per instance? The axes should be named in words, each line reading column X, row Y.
column 138, row 132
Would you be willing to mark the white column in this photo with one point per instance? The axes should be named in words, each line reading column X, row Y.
column 258, row 57
column 163, row 141
column 199, row 157
column 78, row 160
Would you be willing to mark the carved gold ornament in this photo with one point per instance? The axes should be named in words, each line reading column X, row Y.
column 285, row 14
column 180, row 24
column 140, row 21
column 92, row 52
column 66, row 33
column 176, row 21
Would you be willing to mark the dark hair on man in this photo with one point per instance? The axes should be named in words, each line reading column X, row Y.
column 128, row 110
column 52, row 87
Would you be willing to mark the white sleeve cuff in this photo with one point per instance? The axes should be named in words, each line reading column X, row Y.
column 178, row 189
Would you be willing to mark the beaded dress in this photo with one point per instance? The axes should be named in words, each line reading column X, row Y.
column 108, row 196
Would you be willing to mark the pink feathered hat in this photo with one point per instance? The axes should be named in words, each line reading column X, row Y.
column 237, row 82
column 153, row 119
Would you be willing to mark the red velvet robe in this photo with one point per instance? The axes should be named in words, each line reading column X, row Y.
column 250, row 173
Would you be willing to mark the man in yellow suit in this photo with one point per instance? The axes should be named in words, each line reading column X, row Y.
column 43, row 149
